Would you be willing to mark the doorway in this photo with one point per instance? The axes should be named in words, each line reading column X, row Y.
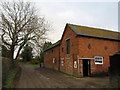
column 86, row 67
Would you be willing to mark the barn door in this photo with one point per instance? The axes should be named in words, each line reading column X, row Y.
column 86, row 67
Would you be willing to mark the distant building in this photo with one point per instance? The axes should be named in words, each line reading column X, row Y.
column 83, row 51
column 19, row 58
column 52, row 56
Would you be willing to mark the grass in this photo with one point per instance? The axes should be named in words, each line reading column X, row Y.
column 110, row 88
column 29, row 64
column 9, row 82
column 72, row 76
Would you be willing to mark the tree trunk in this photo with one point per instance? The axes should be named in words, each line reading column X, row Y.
column 12, row 53
column 18, row 52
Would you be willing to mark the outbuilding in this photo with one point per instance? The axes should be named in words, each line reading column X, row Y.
column 52, row 56
column 83, row 51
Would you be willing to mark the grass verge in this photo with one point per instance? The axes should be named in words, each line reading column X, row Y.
column 9, row 82
column 29, row 64
column 72, row 76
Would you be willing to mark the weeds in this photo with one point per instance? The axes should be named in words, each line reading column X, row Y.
column 9, row 82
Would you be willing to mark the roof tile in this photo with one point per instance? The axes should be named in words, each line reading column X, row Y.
column 95, row 32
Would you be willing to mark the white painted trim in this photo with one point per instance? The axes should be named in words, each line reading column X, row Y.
column 86, row 58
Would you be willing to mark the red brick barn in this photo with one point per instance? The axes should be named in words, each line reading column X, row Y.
column 52, row 56
column 85, row 51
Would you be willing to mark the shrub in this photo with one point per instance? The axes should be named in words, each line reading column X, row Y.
column 34, row 61
column 9, row 82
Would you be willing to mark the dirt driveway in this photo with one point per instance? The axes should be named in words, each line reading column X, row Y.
column 35, row 77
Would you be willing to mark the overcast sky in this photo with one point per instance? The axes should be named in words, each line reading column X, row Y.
column 93, row 14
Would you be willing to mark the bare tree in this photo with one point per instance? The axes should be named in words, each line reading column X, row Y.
column 19, row 25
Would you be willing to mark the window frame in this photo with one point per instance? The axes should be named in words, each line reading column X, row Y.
column 68, row 46
column 53, row 60
column 99, row 61
column 62, row 61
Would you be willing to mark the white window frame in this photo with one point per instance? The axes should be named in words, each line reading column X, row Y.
column 53, row 60
column 97, row 59
column 62, row 61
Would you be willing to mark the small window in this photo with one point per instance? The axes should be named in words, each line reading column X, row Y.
column 68, row 46
column 62, row 61
column 98, row 59
column 53, row 60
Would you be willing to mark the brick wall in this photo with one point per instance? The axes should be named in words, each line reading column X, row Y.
column 83, row 47
column 90, row 47
column 69, row 59
column 49, row 56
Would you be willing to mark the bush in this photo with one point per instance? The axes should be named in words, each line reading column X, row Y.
column 7, row 65
column 9, row 82
column 34, row 61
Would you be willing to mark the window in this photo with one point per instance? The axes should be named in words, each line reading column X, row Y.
column 62, row 61
column 68, row 46
column 53, row 60
column 98, row 59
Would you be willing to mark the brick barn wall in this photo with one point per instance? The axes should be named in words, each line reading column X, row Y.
column 86, row 47
column 90, row 47
column 48, row 58
column 83, row 47
column 69, row 59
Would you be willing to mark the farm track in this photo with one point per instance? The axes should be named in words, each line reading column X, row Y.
column 35, row 77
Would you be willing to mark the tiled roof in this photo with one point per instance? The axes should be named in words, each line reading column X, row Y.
column 53, row 45
column 91, row 32
column 95, row 32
